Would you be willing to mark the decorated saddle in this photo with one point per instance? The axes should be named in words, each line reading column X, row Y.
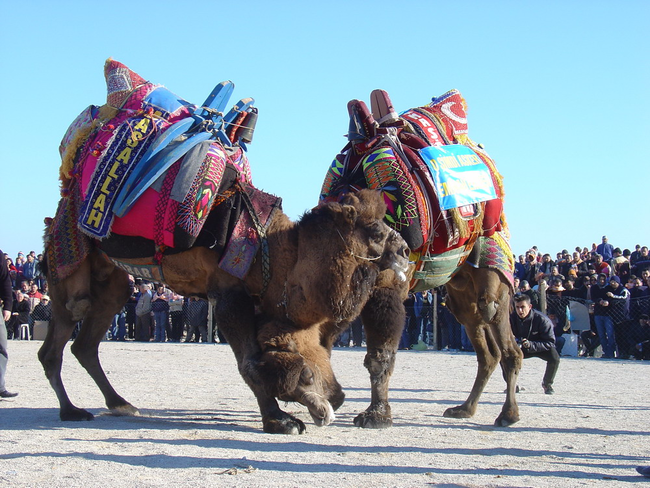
column 151, row 165
column 442, row 190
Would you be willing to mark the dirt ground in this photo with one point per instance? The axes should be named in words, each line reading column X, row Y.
column 200, row 426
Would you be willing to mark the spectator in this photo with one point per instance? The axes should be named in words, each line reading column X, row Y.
column 607, row 305
column 176, row 316
column 640, row 338
column 634, row 257
column 606, row 250
column 534, row 333
column 197, row 310
column 601, row 266
column 520, row 267
column 532, row 268
column 20, row 314
column 118, row 327
column 546, row 266
column 42, row 311
column 579, row 265
column 6, row 301
column 620, row 265
column 143, row 315
column 160, row 308
column 642, row 263
column 525, row 289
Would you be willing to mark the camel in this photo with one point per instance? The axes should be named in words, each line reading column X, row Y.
column 345, row 246
column 467, row 253
column 158, row 188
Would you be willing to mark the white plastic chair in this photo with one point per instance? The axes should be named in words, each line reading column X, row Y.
column 24, row 332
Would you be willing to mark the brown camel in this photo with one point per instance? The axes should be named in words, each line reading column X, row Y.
column 463, row 248
column 161, row 189
column 345, row 246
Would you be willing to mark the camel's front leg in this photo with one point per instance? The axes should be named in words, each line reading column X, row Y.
column 383, row 319
column 235, row 314
column 109, row 294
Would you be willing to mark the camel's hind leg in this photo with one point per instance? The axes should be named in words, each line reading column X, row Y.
column 70, row 301
column 109, row 292
column 480, row 300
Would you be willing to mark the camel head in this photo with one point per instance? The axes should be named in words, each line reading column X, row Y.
column 296, row 368
column 342, row 249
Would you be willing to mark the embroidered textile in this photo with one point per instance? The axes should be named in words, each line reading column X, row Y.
column 66, row 246
column 245, row 240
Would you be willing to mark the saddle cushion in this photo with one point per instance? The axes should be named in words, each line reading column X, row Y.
column 406, row 207
column 441, row 231
column 173, row 210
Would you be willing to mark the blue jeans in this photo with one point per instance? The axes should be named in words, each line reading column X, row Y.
column 161, row 319
column 605, row 329
column 118, row 329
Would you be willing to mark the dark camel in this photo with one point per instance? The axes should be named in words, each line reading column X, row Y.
column 323, row 269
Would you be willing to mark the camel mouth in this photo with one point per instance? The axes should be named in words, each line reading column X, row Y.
column 321, row 410
column 400, row 267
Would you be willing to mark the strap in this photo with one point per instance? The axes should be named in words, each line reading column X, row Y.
column 264, row 243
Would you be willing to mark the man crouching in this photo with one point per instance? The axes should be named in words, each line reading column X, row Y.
column 534, row 333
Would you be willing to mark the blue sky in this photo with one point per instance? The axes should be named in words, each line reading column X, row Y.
column 557, row 92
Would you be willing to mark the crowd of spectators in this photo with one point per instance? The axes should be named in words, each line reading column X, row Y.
column 153, row 312
column 613, row 285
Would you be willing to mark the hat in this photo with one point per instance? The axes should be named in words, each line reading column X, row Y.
column 615, row 278
column 45, row 297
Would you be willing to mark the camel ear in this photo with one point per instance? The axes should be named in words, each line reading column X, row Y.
column 281, row 343
column 346, row 217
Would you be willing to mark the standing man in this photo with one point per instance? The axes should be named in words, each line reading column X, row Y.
column 534, row 333
column 606, row 250
column 7, row 301
column 143, row 318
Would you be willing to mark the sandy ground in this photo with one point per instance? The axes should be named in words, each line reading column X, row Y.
column 199, row 426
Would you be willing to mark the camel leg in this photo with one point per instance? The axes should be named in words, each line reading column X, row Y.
column 383, row 319
column 109, row 295
column 487, row 362
column 236, row 319
column 511, row 362
column 480, row 300
column 70, row 300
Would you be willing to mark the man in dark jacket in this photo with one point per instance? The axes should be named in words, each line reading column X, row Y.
column 534, row 333
column 7, row 298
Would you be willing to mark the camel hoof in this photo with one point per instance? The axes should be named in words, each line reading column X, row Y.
column 286, row 424
column 457, row 413
column 373, row 420
column 127, row 410
column 75, row 415
column 504, row 420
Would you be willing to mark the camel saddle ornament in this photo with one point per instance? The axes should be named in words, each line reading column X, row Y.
column 150, row 164
column 442, row 190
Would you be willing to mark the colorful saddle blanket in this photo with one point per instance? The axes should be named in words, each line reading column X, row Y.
column 131, row 141
column 104, row 146
column 442, row 190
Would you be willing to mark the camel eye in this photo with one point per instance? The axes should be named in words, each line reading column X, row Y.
column 306, row 376
column 376, row 233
